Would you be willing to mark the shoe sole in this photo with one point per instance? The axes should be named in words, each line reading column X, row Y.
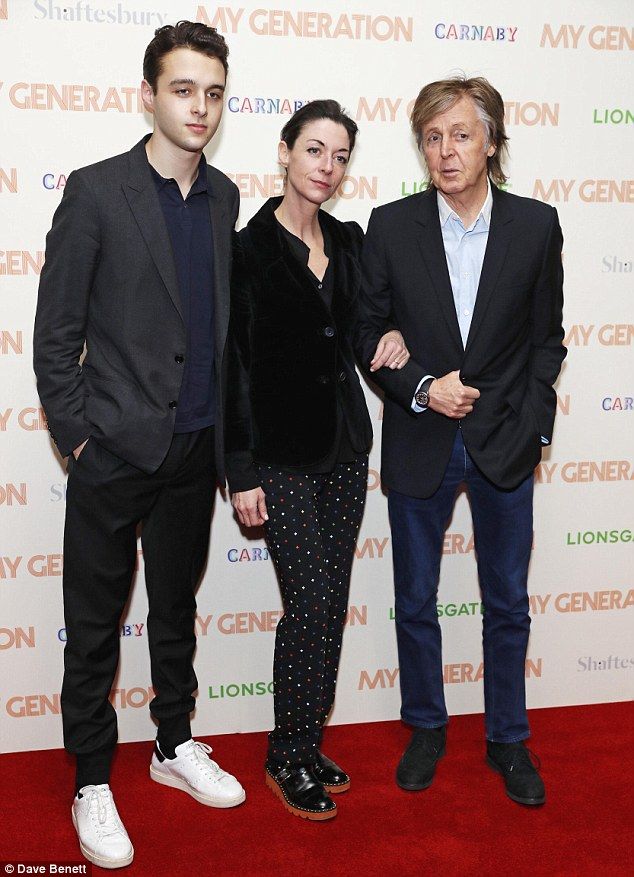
column 418, row 787
column 296, row 811
column 528, row 802
column 336, row 790
column 98, row 860
column 410, row 787
column 175, row 783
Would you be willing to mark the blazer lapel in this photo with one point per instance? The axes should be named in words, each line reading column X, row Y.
column 276, row 258
column 285, row 273
column 432, row 249
column 142, row 197
column 346, row 273
column 495, row 253
column 221, row 235
column 346, row 282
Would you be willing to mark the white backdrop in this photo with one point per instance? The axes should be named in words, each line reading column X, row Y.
column 69, row 75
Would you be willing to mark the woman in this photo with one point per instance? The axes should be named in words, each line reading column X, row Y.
column 298, row 434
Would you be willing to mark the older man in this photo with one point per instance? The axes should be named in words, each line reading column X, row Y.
column 472, row 276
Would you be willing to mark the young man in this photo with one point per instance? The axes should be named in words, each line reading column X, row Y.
column 137, row 270
column 473, row 277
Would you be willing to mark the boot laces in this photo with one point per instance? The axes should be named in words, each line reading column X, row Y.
column 427, row 743
column 520, row 758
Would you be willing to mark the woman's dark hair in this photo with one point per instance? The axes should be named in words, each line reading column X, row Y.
column 313, row 111
column 184, row 35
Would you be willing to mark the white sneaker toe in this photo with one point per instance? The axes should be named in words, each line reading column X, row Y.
column 103, row 839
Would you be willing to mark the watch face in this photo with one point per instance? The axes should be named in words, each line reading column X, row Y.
column 422, row 399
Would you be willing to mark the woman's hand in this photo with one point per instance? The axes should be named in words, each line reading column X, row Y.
column 250, row 506
column 79, row 449
column 390, row 352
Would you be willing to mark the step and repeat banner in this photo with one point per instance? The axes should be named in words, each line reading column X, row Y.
column 69, row 96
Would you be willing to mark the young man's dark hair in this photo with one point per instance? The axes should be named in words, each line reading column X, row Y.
column 183, row 35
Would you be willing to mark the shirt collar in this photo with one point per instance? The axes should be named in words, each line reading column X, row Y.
column 199, row 184
column 299, row 245
column 446, row 212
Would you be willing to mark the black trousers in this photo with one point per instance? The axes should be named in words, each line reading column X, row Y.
column 106, row 500
column 311, row 533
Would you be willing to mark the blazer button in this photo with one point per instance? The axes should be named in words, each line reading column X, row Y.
column 329, row 332
column 172, row 404
column 322, row 379
column 179, row 358
column 342, row 376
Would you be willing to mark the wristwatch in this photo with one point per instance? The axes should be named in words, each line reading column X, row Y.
column 421, row 396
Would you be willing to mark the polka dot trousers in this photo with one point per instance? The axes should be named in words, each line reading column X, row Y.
column 311, row 535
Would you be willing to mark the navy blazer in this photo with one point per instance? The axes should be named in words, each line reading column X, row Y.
column 514, row 349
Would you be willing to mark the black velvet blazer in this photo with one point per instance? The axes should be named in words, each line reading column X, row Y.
column 290, row 358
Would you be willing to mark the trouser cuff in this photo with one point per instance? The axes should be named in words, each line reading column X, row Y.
column 172, row 732
column 93, row 768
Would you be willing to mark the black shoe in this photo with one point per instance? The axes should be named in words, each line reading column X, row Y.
column 330, row 775
column 417, row 767
column 514, row 762
column 299, row 790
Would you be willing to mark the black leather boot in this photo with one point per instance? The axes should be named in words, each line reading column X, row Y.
column 330, row 775
column 299, row 790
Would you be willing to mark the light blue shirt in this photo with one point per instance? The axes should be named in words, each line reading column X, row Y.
column 464, row 251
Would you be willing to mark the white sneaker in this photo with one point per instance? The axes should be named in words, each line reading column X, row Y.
column 194, row 772
column 102, row 838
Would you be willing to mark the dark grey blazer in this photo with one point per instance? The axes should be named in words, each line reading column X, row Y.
column 109, row 282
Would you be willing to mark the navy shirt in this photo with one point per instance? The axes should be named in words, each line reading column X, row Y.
column 189, row 225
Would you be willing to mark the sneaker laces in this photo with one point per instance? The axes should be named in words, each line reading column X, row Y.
column 101, row 796
column 200, row 753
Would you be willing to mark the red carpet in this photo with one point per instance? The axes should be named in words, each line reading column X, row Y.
column 463, row 825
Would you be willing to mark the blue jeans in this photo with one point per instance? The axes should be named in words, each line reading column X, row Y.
column 503, row 531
